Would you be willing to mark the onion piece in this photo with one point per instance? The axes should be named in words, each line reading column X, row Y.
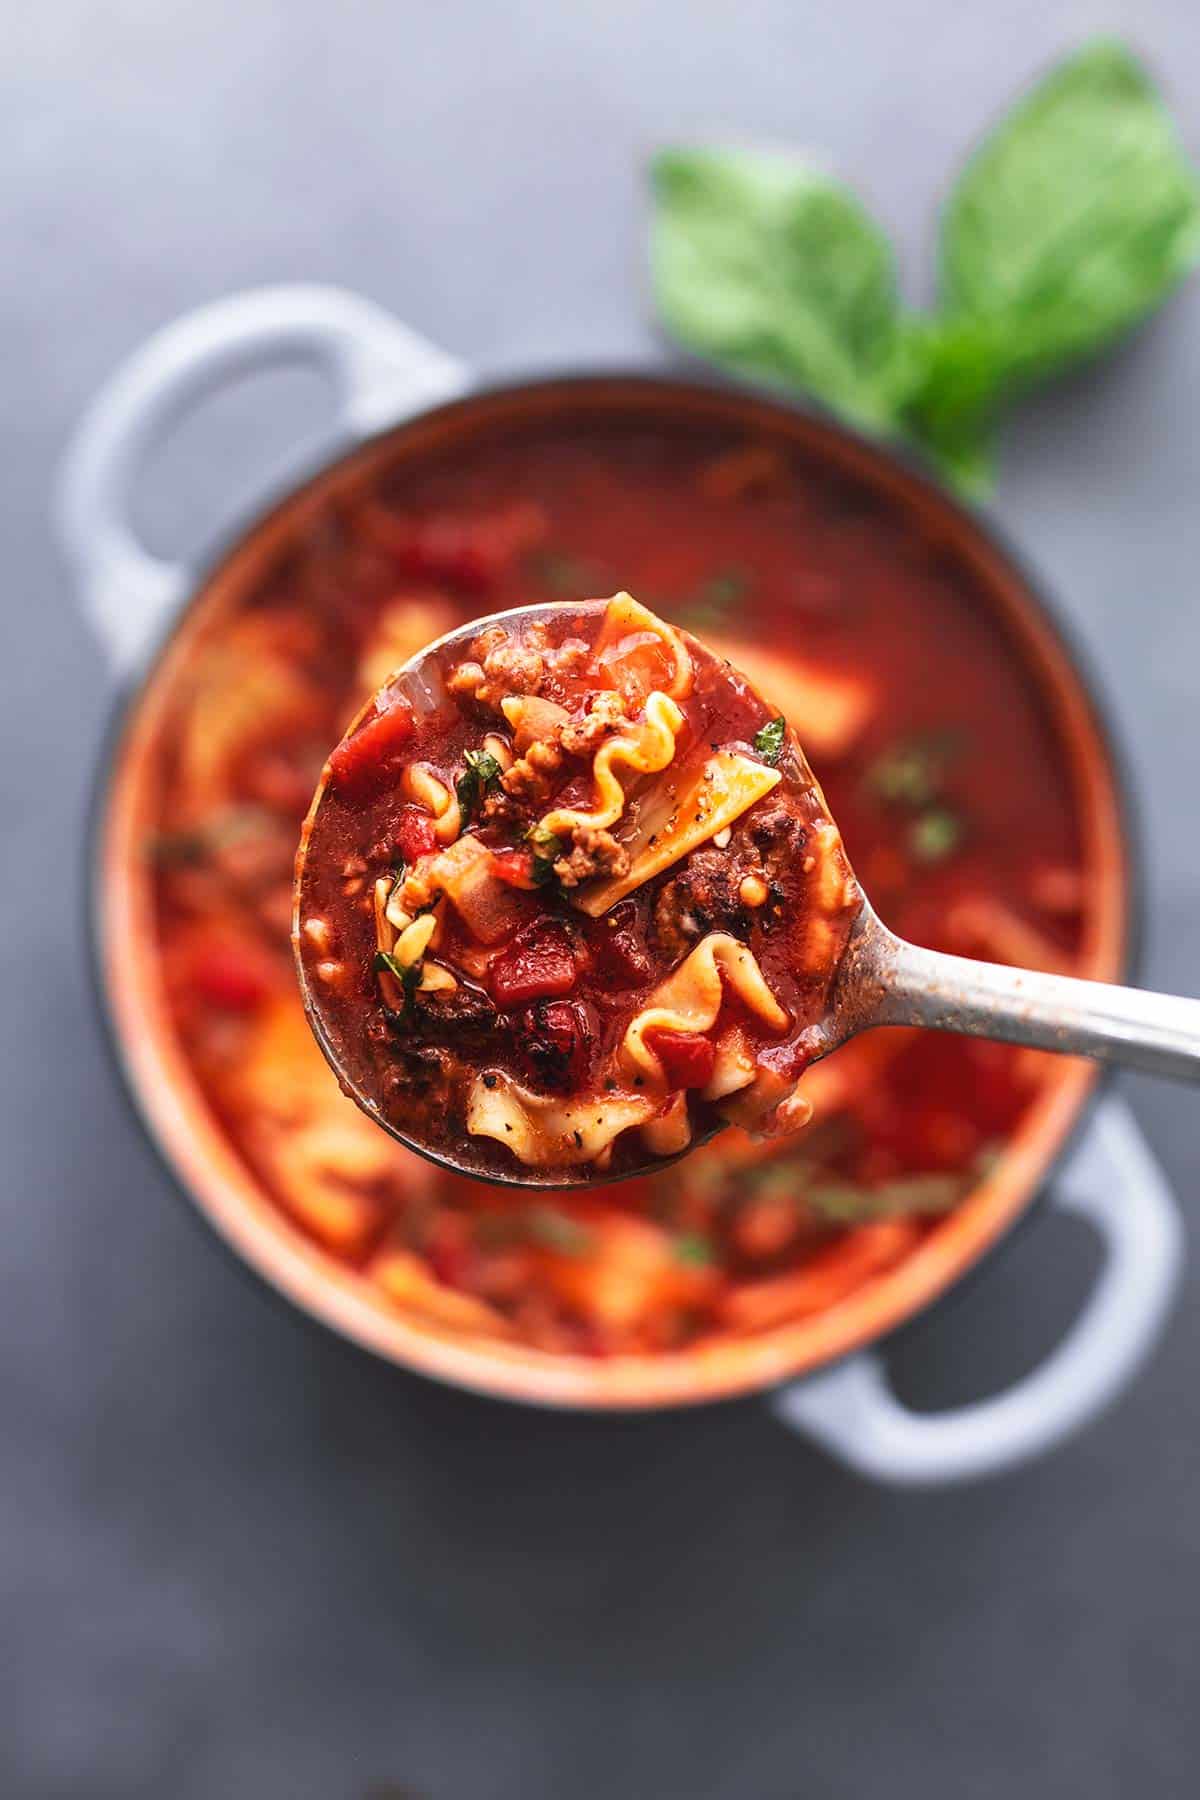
column 489, row 908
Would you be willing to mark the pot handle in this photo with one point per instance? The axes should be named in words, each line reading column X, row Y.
column 381, row 372
column 1111, row 1179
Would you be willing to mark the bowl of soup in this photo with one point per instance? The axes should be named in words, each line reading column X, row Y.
column 957, row 743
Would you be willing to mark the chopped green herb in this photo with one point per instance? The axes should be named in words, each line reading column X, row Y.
column 546, row 848
column 710, row 604
column 408, row 978
column 229, row 826
column 694, row 1250
column 723, row 588
column 566, row 576
column 846, row 1203
column 557, row 1231
column 481, row 773
column 769, row 741
column 911, row 773
column 170, row 849
column 936, row 835
column 774, row 1180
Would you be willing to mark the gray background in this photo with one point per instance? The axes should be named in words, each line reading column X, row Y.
column 238, row 1558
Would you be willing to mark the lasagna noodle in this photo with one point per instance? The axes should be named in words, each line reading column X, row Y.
column 671, row 1131
column 690, row 999
column 647, row 751
column 734, row 1067
column 676, row 820
column 545, row 1132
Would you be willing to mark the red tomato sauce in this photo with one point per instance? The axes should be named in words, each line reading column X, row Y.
column 936, row 756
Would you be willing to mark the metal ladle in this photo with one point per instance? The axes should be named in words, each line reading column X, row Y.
column 884, row 980
column 881, row 980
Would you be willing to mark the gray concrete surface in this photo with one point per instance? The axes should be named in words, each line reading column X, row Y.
column 238, row 1559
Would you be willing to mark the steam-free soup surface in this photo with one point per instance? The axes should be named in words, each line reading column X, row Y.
column 934, row 755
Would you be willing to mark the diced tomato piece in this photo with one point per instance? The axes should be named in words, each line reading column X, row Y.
column 542, row 968
column 637, row 665
column 414, row 835
column 229, row 976
column 514, row 868
column 686, row 1056
column 362, row 761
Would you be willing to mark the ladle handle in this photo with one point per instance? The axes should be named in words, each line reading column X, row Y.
column 1159, row 1033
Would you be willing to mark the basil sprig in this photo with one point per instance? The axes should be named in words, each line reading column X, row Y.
column 1075, row 217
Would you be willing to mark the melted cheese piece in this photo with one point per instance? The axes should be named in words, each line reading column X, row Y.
column 544, row 1132
column 646, row 750
column 677, row 819
column 690, row 999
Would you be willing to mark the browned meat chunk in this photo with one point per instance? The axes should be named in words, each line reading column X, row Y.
column 533, row 775
column 779, row 837
column 500, row 809
column 593, row 852
column 702, row 897
column 500, row 665
column 605, row 716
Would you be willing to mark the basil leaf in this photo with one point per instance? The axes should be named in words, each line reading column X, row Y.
column 766, row 264
column 768, row 742
column 1073, row 220
column 481, row 773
